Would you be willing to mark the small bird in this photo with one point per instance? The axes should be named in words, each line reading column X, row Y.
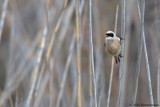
column 112, row 45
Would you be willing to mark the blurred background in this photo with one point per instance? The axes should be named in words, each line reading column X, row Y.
column 39, row 48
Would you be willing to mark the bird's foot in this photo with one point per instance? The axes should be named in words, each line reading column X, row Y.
column 121, row 39
column 120, row 55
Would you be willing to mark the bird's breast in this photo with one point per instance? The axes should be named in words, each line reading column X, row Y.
column 113, row 47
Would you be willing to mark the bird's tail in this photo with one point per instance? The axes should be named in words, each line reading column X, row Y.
column 117, row 58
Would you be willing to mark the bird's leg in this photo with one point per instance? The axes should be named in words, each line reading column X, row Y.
column 116, row 59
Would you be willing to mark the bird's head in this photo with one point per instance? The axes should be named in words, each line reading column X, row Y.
column 110, row 34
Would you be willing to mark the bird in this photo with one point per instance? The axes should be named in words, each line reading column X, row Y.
column 112, row 45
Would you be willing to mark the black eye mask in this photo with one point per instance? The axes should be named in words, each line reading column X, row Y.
column 109, row 35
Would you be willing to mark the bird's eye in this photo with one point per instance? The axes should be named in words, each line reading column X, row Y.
column 110, row 34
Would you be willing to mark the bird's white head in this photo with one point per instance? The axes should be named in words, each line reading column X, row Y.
column 110, row 34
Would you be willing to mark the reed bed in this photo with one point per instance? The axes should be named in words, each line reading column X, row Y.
column 52, row 53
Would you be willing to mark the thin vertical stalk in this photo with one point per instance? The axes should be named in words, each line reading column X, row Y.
column 158, row 81
column 3, row 16
column 40, row 78
column 90, row 85
column 74, row 78
column 98, row 46
column 91, row 53
column 116, row 20
column 146, row 54
column 158, row 71
column 78, row 54
column 112, row 66
column 51, row 83
column 121, row 69
column 110, row 82
column 138, row 61
column 98, row 53
column 74, row 95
